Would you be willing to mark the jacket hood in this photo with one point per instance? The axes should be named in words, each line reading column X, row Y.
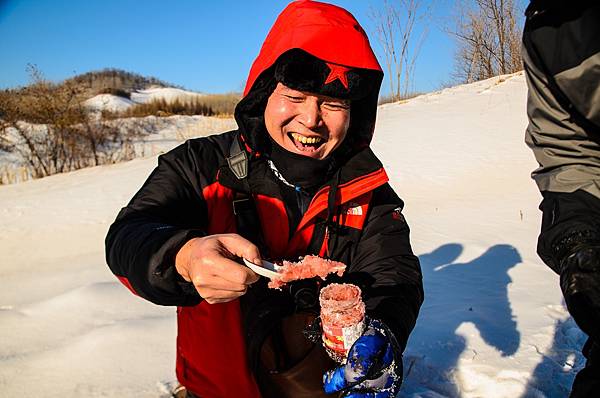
column 328, row 33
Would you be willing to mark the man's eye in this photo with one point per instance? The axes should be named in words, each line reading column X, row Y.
column 336, row 106
column 294, row 98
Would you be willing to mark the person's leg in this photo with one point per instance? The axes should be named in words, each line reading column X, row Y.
column 587, row 381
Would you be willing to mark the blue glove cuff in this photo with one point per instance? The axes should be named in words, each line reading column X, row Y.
column 370, row 366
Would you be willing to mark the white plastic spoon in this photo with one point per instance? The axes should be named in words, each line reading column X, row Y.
column 266, row 269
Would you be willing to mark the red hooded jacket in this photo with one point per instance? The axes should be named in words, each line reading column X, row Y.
column 190, row 194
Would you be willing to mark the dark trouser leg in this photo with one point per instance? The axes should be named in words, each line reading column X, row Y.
column 191, row 395
column 571, row 220
column 587, row 381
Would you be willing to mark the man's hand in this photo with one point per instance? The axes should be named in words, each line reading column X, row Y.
column 580, row 284
column 208, row 263
column 370, row 370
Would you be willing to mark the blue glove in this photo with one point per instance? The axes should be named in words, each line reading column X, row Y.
column 370, row 370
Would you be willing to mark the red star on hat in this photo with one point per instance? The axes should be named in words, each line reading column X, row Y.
column 337, row 72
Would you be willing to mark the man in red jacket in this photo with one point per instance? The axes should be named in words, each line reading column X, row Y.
column 297, row 178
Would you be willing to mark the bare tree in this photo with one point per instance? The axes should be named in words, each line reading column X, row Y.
column 488, row 39
column 396, row 26
column 48, row 127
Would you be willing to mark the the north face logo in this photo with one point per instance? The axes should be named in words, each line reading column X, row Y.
column 354, row 212
column 354, row 209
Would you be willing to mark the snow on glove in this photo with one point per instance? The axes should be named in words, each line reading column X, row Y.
column 580, row 284
column 370, row 370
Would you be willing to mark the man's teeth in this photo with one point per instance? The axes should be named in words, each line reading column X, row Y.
column 306, row 140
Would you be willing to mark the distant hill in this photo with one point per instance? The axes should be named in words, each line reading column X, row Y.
column 106, row 81
column 114, row 81
column 117, row 92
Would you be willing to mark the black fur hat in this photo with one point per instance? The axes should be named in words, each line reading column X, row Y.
column 301, row 71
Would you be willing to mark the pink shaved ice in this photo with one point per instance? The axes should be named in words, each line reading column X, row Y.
column 308, row 267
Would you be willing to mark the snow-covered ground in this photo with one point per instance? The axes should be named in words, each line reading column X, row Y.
column 492, row 325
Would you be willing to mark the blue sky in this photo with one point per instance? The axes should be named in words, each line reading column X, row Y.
column 201, row 45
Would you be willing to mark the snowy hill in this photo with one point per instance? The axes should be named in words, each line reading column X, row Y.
column 169, row 94
column 115, row 103
column 108, row 102
column 492, row 325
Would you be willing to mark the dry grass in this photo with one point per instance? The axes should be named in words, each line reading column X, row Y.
column 12, row 175
column 161, row 107
column 222, row 105
column 387, row 99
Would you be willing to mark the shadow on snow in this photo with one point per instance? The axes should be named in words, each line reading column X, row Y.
column 554, row 375
column 475, row 292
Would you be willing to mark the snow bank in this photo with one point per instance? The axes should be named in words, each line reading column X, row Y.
column 116, row 103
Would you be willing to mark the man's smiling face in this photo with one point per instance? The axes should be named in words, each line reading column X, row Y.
column 305, row 123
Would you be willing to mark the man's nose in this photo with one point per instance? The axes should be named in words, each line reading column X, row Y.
column 310, row 114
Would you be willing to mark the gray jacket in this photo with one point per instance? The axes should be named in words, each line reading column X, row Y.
column 561, row 55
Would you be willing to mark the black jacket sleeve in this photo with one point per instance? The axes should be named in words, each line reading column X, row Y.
column 384, row 257
column 166, row 212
